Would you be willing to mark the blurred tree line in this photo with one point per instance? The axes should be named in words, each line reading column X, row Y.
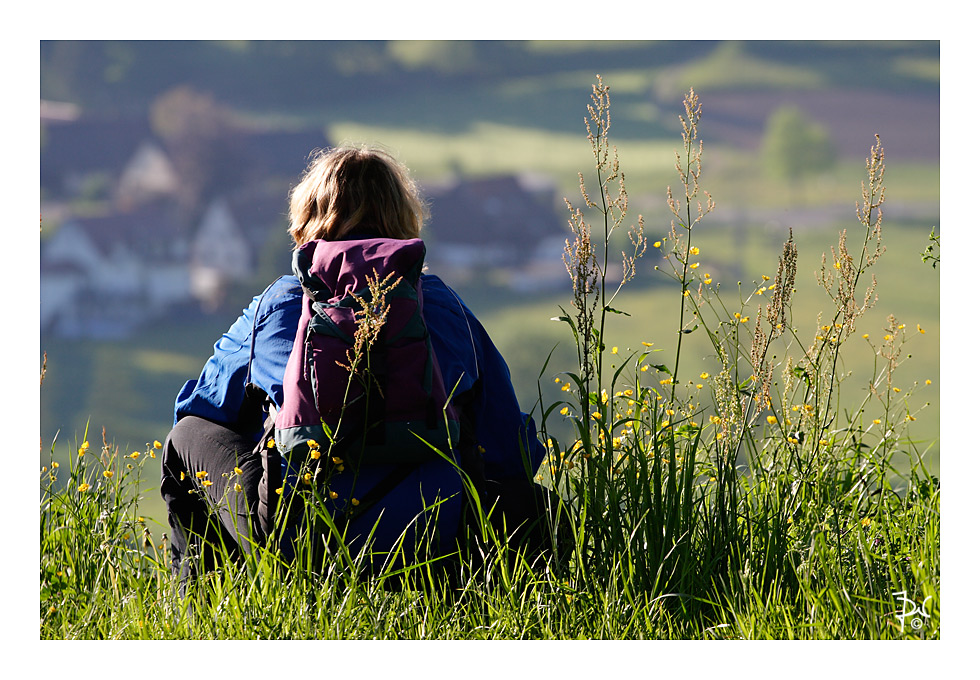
column 125, row 76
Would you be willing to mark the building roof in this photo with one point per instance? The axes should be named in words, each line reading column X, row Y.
column 89, row 145
column 150, row 232
column 493, row 210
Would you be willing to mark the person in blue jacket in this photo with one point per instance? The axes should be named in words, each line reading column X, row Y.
column 218, row 482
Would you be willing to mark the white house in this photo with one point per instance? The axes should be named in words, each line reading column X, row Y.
column 103, row 276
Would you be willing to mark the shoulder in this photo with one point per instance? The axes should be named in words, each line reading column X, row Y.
column 284, row 292
column 437, row 293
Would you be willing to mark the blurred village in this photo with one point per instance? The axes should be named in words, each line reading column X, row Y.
column 159, row 216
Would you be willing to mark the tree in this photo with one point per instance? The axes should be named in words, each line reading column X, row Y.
column 201, row 139
column 795, row 146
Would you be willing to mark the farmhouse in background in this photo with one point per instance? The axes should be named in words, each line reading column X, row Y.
column 135, row 256
column 505, row 224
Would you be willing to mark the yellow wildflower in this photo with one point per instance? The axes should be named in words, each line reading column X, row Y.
column 644, row 368
column 876, row 421
column 207, row 482
column 82, row 449
column 695, row 265
column 566, row 387
column 865, row 521
column 157, row 444
column 772, row 420
column 314, row 453
column 269, row 444
column 201, row 475
column 333, row 494
column 134, row 455
column 279, row 491
column 354, row 501
column 83, row 487
column 238, row 487
column 695, row 250
column 238, row 470
column 615, row 350
column 656, row 244
column 564, row 411
column 928, row 382
column 921, row 330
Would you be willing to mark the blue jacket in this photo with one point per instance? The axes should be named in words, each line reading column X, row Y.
column 257, row 346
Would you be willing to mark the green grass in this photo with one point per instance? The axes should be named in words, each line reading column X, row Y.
column 685, row 512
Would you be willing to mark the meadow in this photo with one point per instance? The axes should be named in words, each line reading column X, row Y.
column 738, row 449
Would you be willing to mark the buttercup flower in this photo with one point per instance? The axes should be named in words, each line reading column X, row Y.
column 83, row 487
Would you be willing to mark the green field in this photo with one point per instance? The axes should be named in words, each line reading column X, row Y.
column 694, row 549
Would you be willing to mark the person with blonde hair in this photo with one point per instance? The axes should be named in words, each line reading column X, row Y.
column 221, row 480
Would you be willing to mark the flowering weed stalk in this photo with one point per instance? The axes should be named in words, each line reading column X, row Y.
column 748, row 479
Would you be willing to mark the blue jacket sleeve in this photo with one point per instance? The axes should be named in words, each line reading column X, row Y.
column 254, row 349
column 469, row 360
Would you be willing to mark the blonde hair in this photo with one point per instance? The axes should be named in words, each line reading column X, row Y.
column 348, row 188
